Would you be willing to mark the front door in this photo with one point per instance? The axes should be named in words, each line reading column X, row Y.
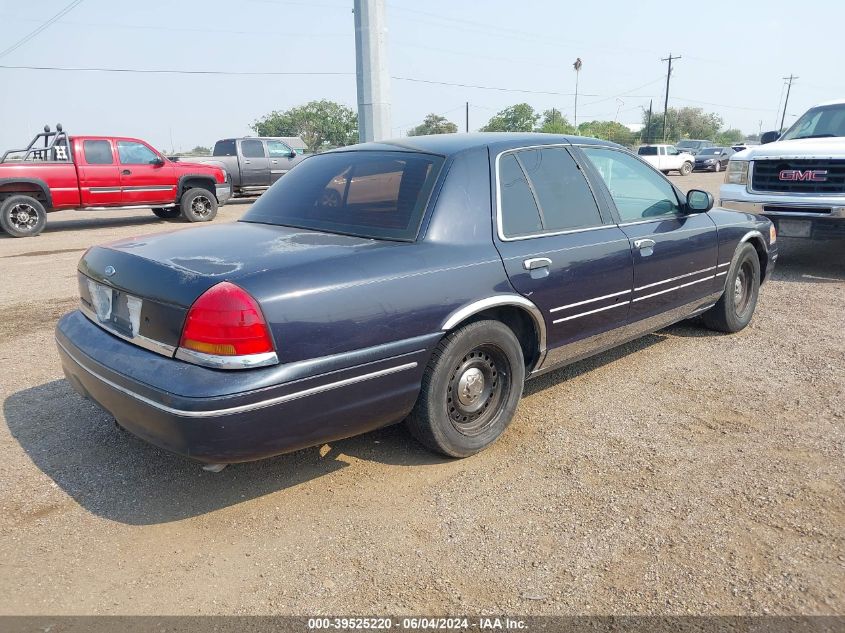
column 145, row 176
column 281, row 159
column 675, row 253
column 255, row 166
column 559, row 250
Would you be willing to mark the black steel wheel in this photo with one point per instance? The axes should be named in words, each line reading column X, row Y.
column 22, row 216
column 735, row 308
column 470, row 389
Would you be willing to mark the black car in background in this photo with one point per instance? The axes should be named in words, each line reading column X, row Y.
column 713, row 159
column 423, row 279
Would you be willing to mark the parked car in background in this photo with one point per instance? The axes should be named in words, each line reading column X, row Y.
column 667, row 158
column 713, row 158
column 253, row 164
column 693, row 146
column 453, row 269
column 797, row 179
column 95, row 172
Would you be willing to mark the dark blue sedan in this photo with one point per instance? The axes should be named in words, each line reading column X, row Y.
column 423, row 279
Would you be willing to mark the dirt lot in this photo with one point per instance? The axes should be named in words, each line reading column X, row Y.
column 687, row 472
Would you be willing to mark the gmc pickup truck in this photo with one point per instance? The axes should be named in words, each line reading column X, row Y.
column 96, row 172
column 797, row 179
column 253, row 164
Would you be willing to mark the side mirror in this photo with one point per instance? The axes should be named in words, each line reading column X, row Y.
column 292, row 154
column 158, row 161
column 699, row 201
column 769, row 137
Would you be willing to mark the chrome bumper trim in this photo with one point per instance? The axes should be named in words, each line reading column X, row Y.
column 247, row 361
column 139, row 340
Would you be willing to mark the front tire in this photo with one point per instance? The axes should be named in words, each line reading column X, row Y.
column 22, row 216
column 470, row 390
column 686, row 169
column 167, row 213
column 742, row 288
column 198, row 205
column 717, row 167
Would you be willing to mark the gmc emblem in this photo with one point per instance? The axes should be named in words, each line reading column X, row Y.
column 812, row 175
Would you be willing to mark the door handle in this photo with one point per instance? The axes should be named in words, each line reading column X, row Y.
column 536, row 262
column 645, row 243
column 246, row 162
column 126, row 172
column 275, row 162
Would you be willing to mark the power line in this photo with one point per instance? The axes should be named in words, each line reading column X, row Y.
column 41, row 28
column 169, row 71
column 725, row 105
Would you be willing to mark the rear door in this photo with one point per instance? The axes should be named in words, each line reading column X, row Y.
column 675, row 253
column 559, row 249
column 146, row 177
column 255, row 166
column 99, row 175
column 281, row 159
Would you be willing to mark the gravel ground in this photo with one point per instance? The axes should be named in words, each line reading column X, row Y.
column 687, row 472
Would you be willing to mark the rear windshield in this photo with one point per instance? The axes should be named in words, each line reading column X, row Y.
column 691, row 144
column 647, row 151
column 225, row 148
column 369, row 194
column 710, row 150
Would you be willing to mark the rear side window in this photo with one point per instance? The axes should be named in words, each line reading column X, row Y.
column 97, row 152
column 561, row 196
column 225, row 148
column 519, row 212
column 647, row 151
column 252, row 149
column 381, row 195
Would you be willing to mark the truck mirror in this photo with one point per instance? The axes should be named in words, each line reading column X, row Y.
column 769, row 137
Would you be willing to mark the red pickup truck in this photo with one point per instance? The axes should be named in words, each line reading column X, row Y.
column 95, row 172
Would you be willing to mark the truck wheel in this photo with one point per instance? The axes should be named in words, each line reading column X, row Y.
column 686, row 169
column 198, row 205
column 736, row 307
column 470, row 389
column 22, row 216
column 167, row 213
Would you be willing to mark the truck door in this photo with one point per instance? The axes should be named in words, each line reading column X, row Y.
column 281, row 159
column 255, row 166
column 145, row 176
column 98, row 173
column 662, row 158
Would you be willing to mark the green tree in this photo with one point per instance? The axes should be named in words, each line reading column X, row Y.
column 200, row 150
column 682, row 123
column 517, row 118
column 321, row 124
column 553, row 122
column 434, row 124
column 608, row 131
column 731, row 136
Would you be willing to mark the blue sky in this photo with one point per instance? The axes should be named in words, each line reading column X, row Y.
column 734, row 56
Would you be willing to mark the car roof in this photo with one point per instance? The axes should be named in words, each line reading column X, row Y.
column 449, row 144
column 831, row 102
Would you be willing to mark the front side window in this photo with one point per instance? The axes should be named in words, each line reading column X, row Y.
column 277, row 149
column 132, row 153
column 561, row 194
column 638, row 191
column 252, row 149
column 381, row 195
column 97, row 152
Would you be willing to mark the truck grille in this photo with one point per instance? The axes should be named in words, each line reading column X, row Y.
column 766, row 176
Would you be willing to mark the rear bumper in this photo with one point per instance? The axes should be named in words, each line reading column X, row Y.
column 244, row 425
column 223, row 193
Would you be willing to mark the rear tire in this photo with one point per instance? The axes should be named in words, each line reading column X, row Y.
column 22, row 216
column 470, row 390
column 167, row 213
column 198, row 205
column 686, row 169
column 742, row 287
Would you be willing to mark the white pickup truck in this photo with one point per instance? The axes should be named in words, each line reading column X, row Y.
column 797, row 179
column 667, row 158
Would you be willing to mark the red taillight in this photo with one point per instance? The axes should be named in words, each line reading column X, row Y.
column 226, row 321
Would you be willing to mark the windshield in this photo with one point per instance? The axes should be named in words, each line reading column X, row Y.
column 647, row 151
column 380, row 195
column 710, row 151
column 818, row 123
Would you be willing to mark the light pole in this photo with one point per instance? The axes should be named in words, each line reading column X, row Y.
column 577, row 67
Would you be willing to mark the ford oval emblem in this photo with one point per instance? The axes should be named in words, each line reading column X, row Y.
column 109, row 271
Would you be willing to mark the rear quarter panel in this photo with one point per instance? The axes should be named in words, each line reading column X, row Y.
column 58, row 179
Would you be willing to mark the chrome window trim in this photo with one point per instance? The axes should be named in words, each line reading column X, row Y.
column 661, row 292
column 244, row 407
column 139, row 340
column 499, row 228
column 581, row 314
column 586, row 301
column 214, row 361
column 666, row 281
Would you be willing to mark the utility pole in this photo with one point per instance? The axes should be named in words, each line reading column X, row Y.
column 467, row 117
column 666, row 101
column 577, row 66
column 648, row 125
column 790, row 79
column 371, row 70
